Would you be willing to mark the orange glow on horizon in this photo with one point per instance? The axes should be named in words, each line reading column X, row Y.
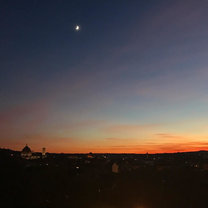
column 151, row 149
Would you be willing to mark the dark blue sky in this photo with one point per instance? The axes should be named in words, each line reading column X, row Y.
column 38, row 38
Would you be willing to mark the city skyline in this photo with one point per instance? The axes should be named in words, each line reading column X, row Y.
column 132, row 79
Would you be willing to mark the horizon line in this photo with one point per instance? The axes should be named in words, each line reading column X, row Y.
column 112, row 152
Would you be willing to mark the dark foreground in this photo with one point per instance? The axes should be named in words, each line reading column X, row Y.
column 168, row 181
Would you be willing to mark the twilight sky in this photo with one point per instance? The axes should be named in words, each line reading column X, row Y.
column 134, row 79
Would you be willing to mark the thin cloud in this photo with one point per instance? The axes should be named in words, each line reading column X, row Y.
column 170, row 136
column 155, row 147
column 129, row 127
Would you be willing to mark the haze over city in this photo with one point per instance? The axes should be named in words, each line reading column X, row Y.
column 104, row 76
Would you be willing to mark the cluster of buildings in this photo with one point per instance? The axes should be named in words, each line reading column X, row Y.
column 27, row 153
column 127, row 162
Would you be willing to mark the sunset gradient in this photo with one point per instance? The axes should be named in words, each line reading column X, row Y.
column 134, row 79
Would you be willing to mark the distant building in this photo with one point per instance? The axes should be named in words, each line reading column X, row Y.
column 43, row 152
column 90, row 155
column 115, row 168
column 26, row 152
column 147, row 155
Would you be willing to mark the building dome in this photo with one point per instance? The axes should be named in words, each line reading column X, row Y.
column 26, row 152
column 26, row 149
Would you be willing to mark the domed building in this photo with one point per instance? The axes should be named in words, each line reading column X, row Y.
column 115, row 168
column 26, row 152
